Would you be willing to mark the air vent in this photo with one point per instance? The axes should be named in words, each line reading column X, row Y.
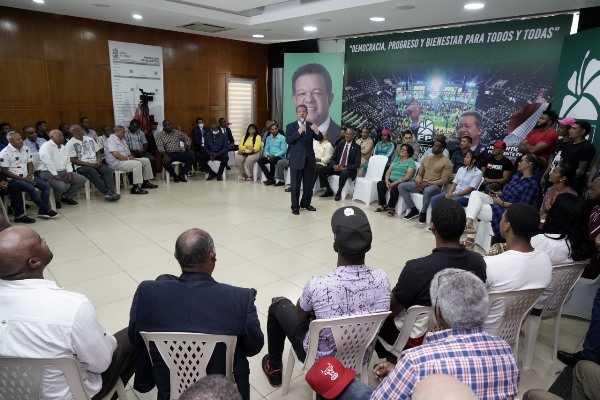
column 208, row 28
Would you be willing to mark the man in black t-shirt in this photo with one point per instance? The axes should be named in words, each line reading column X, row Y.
column 497, row 169
column 447, row 224
column 562, row 129
column 579, row 153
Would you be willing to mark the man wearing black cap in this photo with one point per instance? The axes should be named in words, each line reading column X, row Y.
column 351, row 289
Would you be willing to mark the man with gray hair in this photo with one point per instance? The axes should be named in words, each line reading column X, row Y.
column 462, row 349
column 56, row 169
column 212, row 387
column 164, row 306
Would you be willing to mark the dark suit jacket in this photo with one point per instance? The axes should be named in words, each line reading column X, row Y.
column 353, row 161
column 216, row 143
column 198, row 136
column 228, row 134
column 193, row 303
column 300, row 147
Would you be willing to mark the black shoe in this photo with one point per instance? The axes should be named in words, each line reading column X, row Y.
column 328, row 193
column 68, row 201
column 570, row 359
column 338, row 197
column 138, row 190
column 413, row 213
column 211, row 176
column 183, row 177
column 228, row 168
column 58, row 205
column 274, row 375
column 269, row 182
column 220, row 177
column 287, row 189
column 25, row 220
column 296, row 212
column 176, row 178
column 280, row 183
column 48, row 214
column 422, row 219
column 310, row 208
column 148, row 185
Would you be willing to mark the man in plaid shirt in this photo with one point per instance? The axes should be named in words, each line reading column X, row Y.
column 483, row 362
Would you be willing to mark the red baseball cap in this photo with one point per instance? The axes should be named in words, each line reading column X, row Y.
column 328, row 377
column 386, row 132
column 500, row 144
column 568, row 121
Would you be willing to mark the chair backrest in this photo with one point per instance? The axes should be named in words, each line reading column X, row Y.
column 21, row 378
column 564, row 278
column 517, row 305
column 376, row 167
column 410, row 319
column 352, row 336
column 187, row 355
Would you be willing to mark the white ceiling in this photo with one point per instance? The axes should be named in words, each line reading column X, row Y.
column 282, row 21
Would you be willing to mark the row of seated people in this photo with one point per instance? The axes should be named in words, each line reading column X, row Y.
column 452, row 279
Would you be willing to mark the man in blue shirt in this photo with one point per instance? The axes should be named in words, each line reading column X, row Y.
column 275, row 149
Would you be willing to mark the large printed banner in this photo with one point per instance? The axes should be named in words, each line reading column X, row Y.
column 137, row 76
column 315, row 80
column 425, row 80
column 578, row 81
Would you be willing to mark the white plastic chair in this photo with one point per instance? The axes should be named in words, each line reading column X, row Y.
column 334, row 183
column 214, row 165
column 187, row 355
column 118, row 175
column 365, row 189
column 88, row 189
column 517, row 305
column 579, row 304
column 352, row 336
column 21, row 378
column 564, row 278
column 413, row 314
column 176, row 167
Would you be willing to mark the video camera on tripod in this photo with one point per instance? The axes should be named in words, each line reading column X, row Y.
column 146, row 97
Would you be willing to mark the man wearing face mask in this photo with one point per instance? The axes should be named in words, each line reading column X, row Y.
column 198, row 133
column 216, row 147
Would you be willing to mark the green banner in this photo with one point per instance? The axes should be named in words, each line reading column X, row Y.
column 317, row 80
column 425, row 80
column 578, row 81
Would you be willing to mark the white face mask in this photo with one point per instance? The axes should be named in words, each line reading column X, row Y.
column 215, row 132
column 201, row 125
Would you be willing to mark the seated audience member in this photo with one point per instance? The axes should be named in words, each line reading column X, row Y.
column 323, row 152
column 592, row 270
column 462, row 349
column 216, row 146
column 562, row 178
column 522, row 188
column 87, row 161
column 275, row 149
column 85, row 124
column 65, row 130
column 541, row 139
column 429, row 151
column 344, row 162
column 403, row 169
column 138, row 144
column 579, row 153
column 586, row 384
column 16, row 200
column 521, row 267
column 412, row 288
column 198, row 133
column 163, row 306
column 43, row 320
column 118, row 157
column 106, row 132
column 385, row 147
column 41, row 129
column 496, row 169
column 212, row 387
column 16, row 163
column 467, row 180
column 280, row 168
column 366, row 146
column 459, row 154
column 352, row 288
column 435, row 172
column 174, row 145
column 33, row 143
column 408, row 138
column 224, row 129
column 248, row 153
column 563, row 127
column 4, row 129
column 56, row 169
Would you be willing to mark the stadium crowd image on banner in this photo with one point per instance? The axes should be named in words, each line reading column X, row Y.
column 502, row 75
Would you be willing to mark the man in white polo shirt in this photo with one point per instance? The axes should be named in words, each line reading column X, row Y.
column 56, row 169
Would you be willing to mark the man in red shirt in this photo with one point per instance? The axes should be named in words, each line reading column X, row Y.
column 540, row 140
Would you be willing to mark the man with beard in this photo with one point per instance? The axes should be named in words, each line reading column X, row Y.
column 540, row 140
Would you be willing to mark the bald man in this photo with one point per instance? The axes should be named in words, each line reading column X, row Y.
column 41, row 320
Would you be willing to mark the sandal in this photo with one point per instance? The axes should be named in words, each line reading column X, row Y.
column 470, row 244
column 381, row 209
column 249, row 178
column 391, row 213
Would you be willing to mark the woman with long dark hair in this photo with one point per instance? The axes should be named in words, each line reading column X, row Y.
column 562, row 178
column 248, row 153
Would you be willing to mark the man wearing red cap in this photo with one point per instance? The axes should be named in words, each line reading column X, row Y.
column 497, row 168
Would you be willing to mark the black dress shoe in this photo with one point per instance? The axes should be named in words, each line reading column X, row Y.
column 138, row 190
column 338, row 197
column 269, row 182
column 183, row 177
column 570, row 359
column 176, row 178
column 220, row 178
column 296, row 212
column 328, row 193
column 68, row 201
column 25, row 220
column 58, row 205
column 280, row 183
column 228, row 168
column 148, row 185
column 310, row 208
column 288, row 189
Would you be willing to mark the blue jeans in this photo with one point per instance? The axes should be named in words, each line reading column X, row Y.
column 591, row 344
column 462, row 200
column 405, row 189
column 355, row 390
column 42, row 201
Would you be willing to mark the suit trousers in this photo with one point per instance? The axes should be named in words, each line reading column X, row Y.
column 61, row 187
column 102, row 178
column 269, row 173
column 327, row 171
column 141, row 168
column 306, row 177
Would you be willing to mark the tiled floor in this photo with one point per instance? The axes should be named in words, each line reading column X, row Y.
column 104, row 250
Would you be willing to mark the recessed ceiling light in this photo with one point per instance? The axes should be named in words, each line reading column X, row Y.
column 258, row 36
column 474, row 6
column 310, row 28
column 137, row 16
column 404, row 8
column 377, row 19
column 39, row 1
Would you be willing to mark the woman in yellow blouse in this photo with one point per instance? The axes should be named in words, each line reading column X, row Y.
column 248, row 153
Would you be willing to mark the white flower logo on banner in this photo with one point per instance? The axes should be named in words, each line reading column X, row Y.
column 584, row 98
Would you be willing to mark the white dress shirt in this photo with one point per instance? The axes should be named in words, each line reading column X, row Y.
column 39, row 319
column 54, row 158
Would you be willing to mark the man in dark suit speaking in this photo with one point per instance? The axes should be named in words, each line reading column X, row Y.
column 299, row 136
column 312, row 86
